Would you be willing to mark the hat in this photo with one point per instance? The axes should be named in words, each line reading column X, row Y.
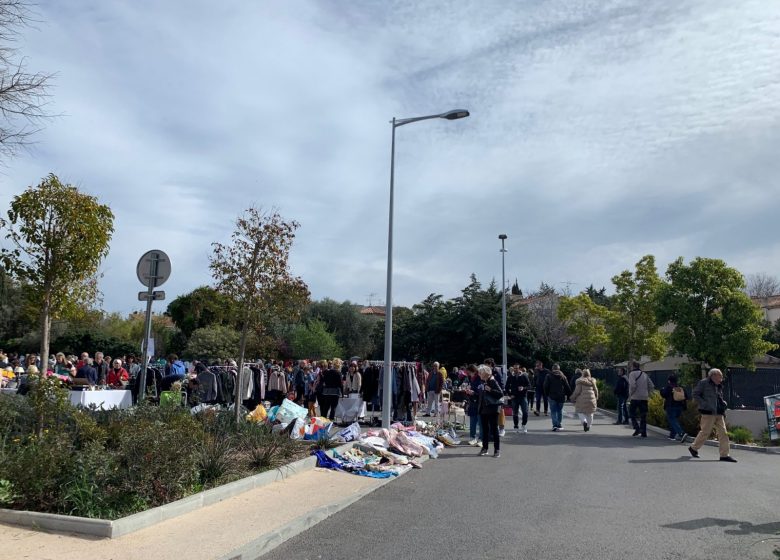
column 233, row 363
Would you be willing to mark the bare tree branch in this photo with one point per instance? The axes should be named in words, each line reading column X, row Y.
column 762, row 285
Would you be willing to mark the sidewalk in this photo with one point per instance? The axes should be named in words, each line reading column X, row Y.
column 238, row 528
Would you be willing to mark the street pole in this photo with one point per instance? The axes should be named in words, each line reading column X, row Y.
column 502, row 237
column 387, row 384
column 153, row 265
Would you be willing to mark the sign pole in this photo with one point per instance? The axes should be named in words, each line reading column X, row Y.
column 153, row 266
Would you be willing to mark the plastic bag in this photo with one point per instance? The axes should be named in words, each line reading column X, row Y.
column 272, row 413
column 289, row 411
column 318, row 428
column 350, row 433
column 298, row 429
column 258, row 415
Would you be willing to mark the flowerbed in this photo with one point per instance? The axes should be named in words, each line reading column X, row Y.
column 108, row 464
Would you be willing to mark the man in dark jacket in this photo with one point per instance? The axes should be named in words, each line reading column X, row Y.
column 621, row 394
column 556, row 388
column 517, row 387
column 86, row 371
column 540, row 374
column 708, row 395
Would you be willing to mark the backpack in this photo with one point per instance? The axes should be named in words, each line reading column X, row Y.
column 678, row 394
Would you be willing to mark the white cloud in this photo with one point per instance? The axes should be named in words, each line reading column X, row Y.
column 600, row 131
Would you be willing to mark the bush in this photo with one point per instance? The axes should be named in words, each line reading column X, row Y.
column 740, row 434
column 607, row 398
column 656, row 415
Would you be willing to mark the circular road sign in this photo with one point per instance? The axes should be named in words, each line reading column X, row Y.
column 153, row 269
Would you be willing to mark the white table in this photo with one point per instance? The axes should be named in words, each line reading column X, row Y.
column 351, row 408
column 104, row 400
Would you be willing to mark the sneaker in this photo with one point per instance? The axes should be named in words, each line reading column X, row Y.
column 536, row 413
column 473, row 442
column 497, row 454
column 501, row 432
column 524, row 430
column 482, row 452
column 555, row 428
column 478, row 443
column 726, row 459
column 560, row 428
column 683, row 438
column 587, row 427
column 672, row 438
column 693, row 452
column 636, row 433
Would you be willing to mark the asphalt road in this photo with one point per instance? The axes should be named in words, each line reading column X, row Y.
column 602, row 494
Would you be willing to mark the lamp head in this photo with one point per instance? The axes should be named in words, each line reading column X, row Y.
column 455, row 114
column 502, row 236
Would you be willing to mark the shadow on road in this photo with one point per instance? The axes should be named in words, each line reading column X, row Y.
column 744, row 527
column 683, row 459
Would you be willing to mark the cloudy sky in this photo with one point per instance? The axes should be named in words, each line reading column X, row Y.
column 599, row 132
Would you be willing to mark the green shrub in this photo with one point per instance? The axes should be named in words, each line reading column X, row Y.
column 656, row 415
column 766, row 441
column 740, row 434
column 607, row 398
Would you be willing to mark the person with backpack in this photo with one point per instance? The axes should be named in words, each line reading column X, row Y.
column 639, row 388
column 621, row 394
column 675, row 402
column 556, row 388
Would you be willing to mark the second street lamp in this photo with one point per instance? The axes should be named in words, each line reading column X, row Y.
column 503, row 237
column 387, row 384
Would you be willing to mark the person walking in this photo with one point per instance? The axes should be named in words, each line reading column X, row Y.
column 489, row 401
column 472, row 388
column 517, row 388
column 585, row 398
column 540, row 374
column 639, row 388
column 708, row 395
column 556, row 390
column 621, row 394
column 675, row 402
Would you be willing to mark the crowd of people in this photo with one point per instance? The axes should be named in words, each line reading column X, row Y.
column 417, row 390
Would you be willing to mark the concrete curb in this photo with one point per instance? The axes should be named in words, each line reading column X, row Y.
column 738, row 446
column 118, row 527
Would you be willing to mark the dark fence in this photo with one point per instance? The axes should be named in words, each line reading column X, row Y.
column 743, row 388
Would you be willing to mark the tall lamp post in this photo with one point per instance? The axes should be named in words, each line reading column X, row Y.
column 502, row 237
column 387, row 386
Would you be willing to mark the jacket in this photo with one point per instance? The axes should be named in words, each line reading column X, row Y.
column 517, row 385
column 490, row 387
column 277, row 381
column 668, row 394
column 539, row 377
column 585, row 395
column 709, row 397
column 621, row 387
column 556, row 386
column 435, row 382
column 639, row 385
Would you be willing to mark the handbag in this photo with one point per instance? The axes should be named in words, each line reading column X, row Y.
column 678, row 394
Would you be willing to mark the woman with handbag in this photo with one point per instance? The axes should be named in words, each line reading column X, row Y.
column 489, row 402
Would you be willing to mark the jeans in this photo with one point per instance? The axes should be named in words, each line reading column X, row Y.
column 475, row 425
column 622, row 410
column 490, row 431
column 672, row 415
column 433, row 402
column 328, row 404
column 638, row 412
column 539, row 397
column 556, row 413
column 522, row 404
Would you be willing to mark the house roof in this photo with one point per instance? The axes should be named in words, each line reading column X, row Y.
column 771, row 302
column 373, row 310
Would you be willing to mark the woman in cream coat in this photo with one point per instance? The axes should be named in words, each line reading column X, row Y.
column 585, row 397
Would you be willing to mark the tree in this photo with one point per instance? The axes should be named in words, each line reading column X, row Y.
column 311, row 339
column 253, row 271
column 351, row 329
column 599, row 297
column 215, row 342
column 202, row 307
column 22, row 95
column 586, row 320
column 715, row 322
column 516, row 291
column 633, row 326
column 58, row 236
column 762, row 285
column 773, row 337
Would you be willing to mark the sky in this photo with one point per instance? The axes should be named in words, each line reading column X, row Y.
column 599, row 132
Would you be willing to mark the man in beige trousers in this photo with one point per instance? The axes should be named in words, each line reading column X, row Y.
column 708, row 395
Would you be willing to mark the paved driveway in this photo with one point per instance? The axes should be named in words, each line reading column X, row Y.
column 602, row 494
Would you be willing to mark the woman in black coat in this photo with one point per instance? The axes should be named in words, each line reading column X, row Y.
column 489, row 401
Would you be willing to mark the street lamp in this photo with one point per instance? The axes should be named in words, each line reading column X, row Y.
column 502, row 237
column 387, row 386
